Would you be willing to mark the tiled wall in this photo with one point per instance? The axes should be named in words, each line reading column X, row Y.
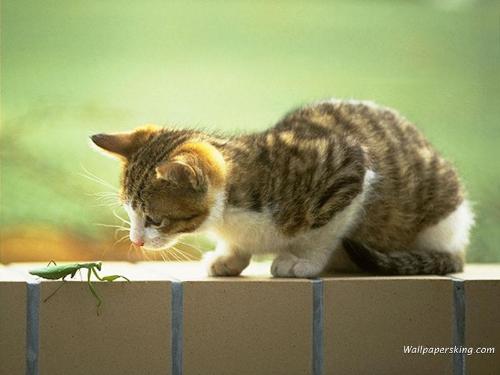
column 172, row 320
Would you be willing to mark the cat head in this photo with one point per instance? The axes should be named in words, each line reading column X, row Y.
column 172, row 183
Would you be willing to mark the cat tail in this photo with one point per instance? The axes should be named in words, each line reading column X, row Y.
column 421, row 262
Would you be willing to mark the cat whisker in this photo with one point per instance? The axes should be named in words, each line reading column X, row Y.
column 130, row 249
column 163, row 256
column 121, row 239
column 192, row 246
column 112, row 226
column 108, row 200
column 104, row 194
column 186, row 255
column 174, row 255
column 110, row 205
column 183, row 253
column 92, row 177
column 144, row 253
column 117, row 231
column 120, row 218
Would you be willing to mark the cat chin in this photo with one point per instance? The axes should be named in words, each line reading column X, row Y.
column 158, row 245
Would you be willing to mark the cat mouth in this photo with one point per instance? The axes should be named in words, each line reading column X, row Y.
column 158, row 245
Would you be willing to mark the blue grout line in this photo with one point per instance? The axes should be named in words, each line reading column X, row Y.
column 458, row 325
column 32, row 327
column 177, row 327
column 318, row 327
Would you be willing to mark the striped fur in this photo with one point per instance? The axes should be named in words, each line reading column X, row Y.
column 292, row 182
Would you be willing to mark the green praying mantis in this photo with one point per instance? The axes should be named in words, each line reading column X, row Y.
column 55, row 272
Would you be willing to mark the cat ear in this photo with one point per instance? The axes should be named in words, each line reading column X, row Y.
column 182, row 172
column 123, row 145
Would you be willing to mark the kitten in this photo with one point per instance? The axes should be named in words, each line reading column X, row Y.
column 333, row 185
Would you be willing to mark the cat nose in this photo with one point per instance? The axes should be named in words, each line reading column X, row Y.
column 139, row 242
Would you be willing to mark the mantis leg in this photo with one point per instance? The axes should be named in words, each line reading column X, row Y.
column 93, row 291
column 109, row 278
column 55, row 291
column 96, row 274
column 52, row 262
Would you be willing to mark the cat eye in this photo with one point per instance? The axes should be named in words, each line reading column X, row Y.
column 153, row 222
column 185, row 218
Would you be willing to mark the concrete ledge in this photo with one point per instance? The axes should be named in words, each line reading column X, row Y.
column 482, row 317
column 369, row 320
column 171, row 319
column 13, row 301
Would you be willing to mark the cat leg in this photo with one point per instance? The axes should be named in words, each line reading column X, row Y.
column 310, row 254
column 302, row 263
column 226, row 260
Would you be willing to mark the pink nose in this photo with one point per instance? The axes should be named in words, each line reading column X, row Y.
column 138, row 243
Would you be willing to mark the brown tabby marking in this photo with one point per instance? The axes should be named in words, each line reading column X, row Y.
column 302, row 172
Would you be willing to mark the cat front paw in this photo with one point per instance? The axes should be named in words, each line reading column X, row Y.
column 289, row 265
column 218, row 264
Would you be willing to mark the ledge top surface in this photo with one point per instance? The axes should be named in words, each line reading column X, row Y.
column 257, row 271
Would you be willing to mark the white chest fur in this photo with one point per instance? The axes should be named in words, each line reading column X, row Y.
column 251, row 231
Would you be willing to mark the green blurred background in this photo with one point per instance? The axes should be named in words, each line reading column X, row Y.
column 72, row 68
